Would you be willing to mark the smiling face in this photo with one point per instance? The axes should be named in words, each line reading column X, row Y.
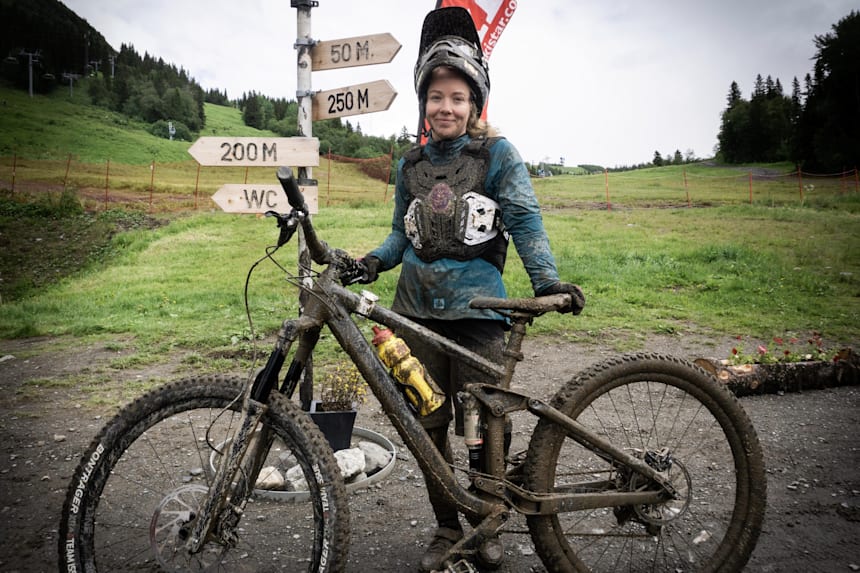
column 448, row 104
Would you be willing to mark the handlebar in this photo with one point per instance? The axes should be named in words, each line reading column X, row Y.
column 350, row 270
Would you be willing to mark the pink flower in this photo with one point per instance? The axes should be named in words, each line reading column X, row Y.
column 734, row 351
column 777, row 340
column 761, row 349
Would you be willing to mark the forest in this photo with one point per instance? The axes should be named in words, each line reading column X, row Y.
column 816, row 126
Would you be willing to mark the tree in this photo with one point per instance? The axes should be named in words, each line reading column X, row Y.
column 658, row 159
column 830, row 123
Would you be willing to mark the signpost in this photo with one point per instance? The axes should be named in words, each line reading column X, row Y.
column 259, row 198
column 256, row 151
column 301, row 152
column 356, row 51
column 353, row 100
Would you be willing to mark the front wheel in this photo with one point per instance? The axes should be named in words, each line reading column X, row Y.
column 139, row 489
column 679, row 420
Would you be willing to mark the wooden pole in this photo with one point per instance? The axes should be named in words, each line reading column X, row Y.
column 750, row 187
column 151, row 182
column 800, row 184
column 107, row 181
column 388, row 173
column 328, row 183
column 686, row 189
column 14, row 169
column 196, row 186
column 66, row 177
column 606, row 184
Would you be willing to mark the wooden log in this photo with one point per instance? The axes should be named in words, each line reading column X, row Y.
column 750, row 379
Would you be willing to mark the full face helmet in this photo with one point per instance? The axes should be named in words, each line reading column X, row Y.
column 448, row 38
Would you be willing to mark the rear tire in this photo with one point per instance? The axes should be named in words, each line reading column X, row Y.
column 137, row 489
column 643, row 403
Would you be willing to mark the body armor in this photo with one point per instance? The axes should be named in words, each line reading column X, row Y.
column 449, row 215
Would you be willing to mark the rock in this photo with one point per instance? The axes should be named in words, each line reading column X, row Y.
column 59, row 438
column 296, row 479
column 351, row 462
column 270, row 478
column 7, row 357
column 375, row 456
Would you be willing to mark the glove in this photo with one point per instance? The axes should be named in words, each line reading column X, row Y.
column 577, row 298
column 371, row 273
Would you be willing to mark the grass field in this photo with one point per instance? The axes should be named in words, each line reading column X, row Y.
column 786, row 264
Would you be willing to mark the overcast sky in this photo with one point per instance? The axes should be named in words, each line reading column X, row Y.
column 596, row 82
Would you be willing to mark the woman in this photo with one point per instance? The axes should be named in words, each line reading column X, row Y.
column 458, row 200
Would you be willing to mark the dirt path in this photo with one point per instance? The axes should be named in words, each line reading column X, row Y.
column 810, row 442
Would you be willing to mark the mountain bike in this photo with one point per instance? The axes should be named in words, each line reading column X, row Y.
column 641, row 462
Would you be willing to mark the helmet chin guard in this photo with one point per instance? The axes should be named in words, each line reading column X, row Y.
column 449, row 38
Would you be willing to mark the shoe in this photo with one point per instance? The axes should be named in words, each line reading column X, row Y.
column 443, row 540
column 491, row 553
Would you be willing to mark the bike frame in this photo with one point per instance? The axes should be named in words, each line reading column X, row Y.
column 496, row 490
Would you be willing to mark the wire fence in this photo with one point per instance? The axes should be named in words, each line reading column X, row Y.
column 177, row 186
column 699, row 186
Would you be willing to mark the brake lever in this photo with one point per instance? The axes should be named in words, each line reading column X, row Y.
column 286, row 223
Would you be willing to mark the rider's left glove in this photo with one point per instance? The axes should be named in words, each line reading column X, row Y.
column 577, row 297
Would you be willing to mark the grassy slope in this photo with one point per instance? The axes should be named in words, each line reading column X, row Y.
column 52, row 126
column 752, row 270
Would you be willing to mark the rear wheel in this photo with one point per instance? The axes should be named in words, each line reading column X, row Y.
column 138, row 491
column 679, row 420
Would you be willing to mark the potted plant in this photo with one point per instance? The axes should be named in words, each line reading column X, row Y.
column 341, row 391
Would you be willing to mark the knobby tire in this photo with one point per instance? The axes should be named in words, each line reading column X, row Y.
column 148, row 471
column 646, row 402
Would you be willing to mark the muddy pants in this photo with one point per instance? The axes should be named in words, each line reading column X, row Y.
column 484, row 337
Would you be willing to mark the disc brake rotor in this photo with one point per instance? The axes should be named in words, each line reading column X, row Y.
column 170, row 527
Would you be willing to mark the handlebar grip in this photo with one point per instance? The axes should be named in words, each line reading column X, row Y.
column 288, row 183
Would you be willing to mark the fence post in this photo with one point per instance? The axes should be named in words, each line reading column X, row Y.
column 750, row 187
column 14, row 168
column 328, row 183
column 107, row 180
column 196, row 186
column 606, row 184
column 800, row 184
column 388, row 173
column 66, row 178
column 151, row 182
column 686, row 189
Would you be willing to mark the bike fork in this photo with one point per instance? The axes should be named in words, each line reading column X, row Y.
column 228, row 470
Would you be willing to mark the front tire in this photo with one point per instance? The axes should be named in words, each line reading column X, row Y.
column 143, row 480
column 679, row 418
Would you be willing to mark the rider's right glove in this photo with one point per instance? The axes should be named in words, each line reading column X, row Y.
column 577, row 297
column 371, row 264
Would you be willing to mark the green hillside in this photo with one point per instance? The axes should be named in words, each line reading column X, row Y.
column 53, row 126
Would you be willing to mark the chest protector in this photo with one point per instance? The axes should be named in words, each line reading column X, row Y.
column 449, row 216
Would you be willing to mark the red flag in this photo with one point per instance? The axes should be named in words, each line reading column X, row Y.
column 491, row 17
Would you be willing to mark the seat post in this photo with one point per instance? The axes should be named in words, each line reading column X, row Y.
column 513, row 348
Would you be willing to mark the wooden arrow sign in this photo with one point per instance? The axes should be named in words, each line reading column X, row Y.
column 256, row 151
column 353, row 100
column 259, row 198
column 351, row 52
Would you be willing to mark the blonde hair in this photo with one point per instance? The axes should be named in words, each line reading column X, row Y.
column 477, row 127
